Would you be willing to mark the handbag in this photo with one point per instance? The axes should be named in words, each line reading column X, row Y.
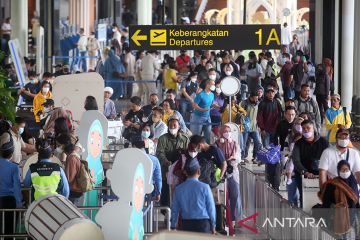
column 270, row 155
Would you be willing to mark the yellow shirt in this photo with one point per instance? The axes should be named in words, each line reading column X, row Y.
column 39, row 100
column 169, row 83
column 167, row 116
column 235, row 109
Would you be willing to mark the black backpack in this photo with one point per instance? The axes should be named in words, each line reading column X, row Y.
column 207, row 172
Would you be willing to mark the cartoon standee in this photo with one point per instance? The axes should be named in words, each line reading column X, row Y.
column 92, row 134
column 131, row 179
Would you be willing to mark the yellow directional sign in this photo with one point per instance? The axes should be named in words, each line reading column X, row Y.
column 158, row 37
column 136, row 38
column 202, row 37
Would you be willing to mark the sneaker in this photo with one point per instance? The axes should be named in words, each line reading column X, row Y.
column 289, row 181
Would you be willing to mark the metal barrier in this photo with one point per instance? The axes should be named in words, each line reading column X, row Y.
column 273, row 211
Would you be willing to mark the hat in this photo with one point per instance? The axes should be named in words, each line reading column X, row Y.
column 336, row 95
column 192, row 165
column 173, row 118
column 342, row 131
column 109, row 89
column 270, row 88
column 48, row 102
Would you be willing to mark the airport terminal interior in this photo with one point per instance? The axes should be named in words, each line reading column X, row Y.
column 179, row 119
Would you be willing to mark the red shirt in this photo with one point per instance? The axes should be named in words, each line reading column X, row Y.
column 286, row 73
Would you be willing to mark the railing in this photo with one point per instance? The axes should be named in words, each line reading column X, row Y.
column 271, row 208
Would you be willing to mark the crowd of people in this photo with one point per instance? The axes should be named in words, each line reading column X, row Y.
column 187, row 135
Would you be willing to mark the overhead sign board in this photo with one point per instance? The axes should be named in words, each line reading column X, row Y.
column 202, row 37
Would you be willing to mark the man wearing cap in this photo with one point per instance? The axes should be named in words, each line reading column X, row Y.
column 194, row 200
column 334, row 154
column 268, row 118
column 10, row 186
column 169, row 148
column 183, row 62
column 336, row 118
column 109, row 105
column 29, row 91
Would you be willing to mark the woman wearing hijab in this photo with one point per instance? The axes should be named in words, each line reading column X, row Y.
column 341, row 194
column 232, row 154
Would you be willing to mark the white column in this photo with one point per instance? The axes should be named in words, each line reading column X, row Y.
column 79, row 14
column 19, row 23
column 347, row 51
column 357, row 50
column 336, row 50
column 144, row 12
column 319, row 31
column 235, row 11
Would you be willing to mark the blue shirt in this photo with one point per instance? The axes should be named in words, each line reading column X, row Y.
column 10, row 181
column 204, row 100
column 156, row 175
column 64, row 184
column 194, row 200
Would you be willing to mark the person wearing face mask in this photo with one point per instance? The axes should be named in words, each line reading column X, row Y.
column 133, row 120
column 158, row 127
column 19, row 145
column 232, row 155
column 169, row 112
column 40, row 99
column 339, row 197
column 51, row 114
column 116, row 33
column 72, row 170
column 93, row 46
column 29, row 91
column 336, row 118
column 188, row 92
column 146, row 136
column 215, row 113
column 287, row 78
column 294, row 135
column 332, row 156
column 228, row 70
column 168, row 150
column 62, row 141
column 200, row 118
column 306, row 154
column 183, row 62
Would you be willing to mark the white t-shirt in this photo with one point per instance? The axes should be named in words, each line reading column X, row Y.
column 331, row 157
column 82, row 43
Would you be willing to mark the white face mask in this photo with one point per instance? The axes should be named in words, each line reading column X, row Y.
column 144, row 119
column 345, row 175
column 343, row 142
column 222, row 140
column 218, row 90
column 45, row 90
column 21, row 130
column 173, row 131
column 59, row 150
column 194, row 79
column 227, row 135
column 212, row 88
column 212, row 77
column 228, row 73
column 46, row 109
column 193, row 154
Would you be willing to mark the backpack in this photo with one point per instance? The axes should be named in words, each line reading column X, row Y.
column 84, row 179
column 207, row 173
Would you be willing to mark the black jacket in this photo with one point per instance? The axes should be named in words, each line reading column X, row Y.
column 282, row 131
column 306, row 156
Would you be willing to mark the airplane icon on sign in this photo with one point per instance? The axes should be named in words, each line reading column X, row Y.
column 158, row 37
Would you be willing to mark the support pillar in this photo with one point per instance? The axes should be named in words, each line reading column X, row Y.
column 235, row 11
column 347, row 52
column 336, row 59
column 19, row 23
column 144, row 12
column 80, row 14
column 357, row 50
column 319, row 31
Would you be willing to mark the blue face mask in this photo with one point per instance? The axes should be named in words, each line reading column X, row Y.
column 33, row 81
column 145, row 134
